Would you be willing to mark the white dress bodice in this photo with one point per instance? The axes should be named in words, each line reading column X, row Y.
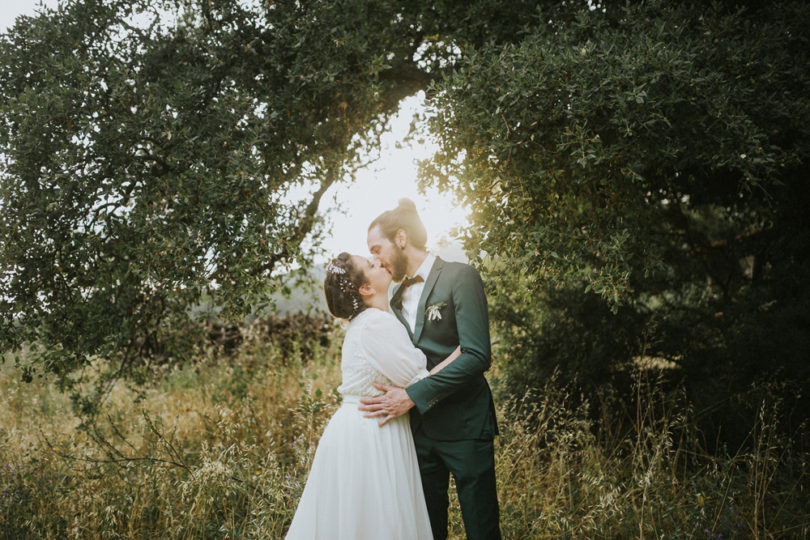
column 377, row 348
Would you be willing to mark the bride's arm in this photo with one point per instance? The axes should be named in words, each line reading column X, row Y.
column 446, row 362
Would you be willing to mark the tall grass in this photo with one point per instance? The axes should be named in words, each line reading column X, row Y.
column 222, row 450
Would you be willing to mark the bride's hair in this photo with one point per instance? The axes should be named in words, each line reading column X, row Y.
column 343, row 279
column 404, row 217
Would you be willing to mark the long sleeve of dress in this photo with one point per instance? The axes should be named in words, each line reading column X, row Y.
column 389, row 349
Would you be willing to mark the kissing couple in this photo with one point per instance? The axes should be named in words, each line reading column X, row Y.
column 416, row 406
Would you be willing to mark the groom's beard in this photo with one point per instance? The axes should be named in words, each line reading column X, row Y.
column 399, row 266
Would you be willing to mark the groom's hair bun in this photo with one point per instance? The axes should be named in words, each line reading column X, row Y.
column 340, row 286
column 406, row 205
column 404, row 217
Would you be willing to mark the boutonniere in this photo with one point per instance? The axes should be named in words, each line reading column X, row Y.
column 434, row 311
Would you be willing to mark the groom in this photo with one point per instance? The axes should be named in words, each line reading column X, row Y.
column 442, row 304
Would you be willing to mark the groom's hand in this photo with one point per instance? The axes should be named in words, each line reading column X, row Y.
column 395, row 402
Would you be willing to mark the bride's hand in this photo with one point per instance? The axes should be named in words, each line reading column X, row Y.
column 394, row 402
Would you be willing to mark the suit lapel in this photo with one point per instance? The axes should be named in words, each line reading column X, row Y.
column 396, row 308
column 420, row 310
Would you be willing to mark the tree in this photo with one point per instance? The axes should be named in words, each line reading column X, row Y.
column 160, row 152
column 636, row 172
column 638, row 183
column 151, row 149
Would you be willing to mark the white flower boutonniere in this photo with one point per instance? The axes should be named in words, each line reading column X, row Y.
column 434, row 311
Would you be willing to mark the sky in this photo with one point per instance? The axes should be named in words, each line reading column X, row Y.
column 10, row 9
column 378, row 188
column 349, row 208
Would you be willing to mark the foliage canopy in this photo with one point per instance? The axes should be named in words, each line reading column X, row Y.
column 153, row 151
column 639, row 185
column 637, row 173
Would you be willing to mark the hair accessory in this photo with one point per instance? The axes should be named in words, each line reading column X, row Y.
column 345, row 284
column 332, row 268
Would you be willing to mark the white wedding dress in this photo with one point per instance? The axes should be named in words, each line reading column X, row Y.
column 364, row 482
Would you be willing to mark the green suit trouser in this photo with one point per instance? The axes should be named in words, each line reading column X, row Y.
column 472, row 464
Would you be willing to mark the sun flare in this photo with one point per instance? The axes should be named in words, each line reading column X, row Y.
column 379, row 186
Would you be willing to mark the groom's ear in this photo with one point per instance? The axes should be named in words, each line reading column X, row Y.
column 401, row 239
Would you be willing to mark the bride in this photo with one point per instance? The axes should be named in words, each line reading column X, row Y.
column 364, row 481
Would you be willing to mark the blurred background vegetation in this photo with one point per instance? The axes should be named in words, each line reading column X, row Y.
column 637, row 180
column 221, row 448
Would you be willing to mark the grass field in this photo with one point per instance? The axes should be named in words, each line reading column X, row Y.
column 221, row 449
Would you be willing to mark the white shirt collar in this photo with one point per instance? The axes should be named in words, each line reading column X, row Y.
column 424, row 268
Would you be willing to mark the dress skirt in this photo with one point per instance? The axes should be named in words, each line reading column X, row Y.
column 364, row 482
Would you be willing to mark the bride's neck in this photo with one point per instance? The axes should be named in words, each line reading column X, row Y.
column 379, row 301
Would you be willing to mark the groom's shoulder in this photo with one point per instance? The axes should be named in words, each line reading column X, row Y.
column 459, row 269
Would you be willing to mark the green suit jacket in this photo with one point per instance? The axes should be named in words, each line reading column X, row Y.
column 456, row 403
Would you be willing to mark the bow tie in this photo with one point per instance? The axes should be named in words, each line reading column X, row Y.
column 408, row 281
